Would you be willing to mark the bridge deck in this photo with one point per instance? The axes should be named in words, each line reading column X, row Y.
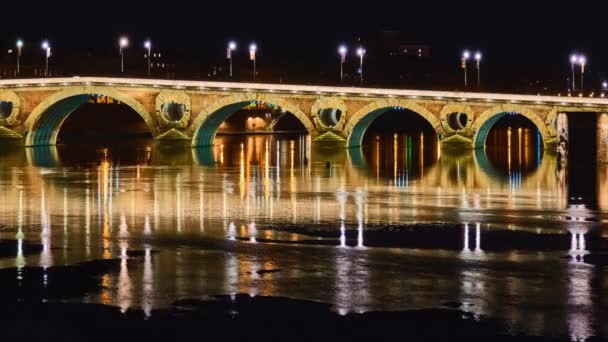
column 306, row 89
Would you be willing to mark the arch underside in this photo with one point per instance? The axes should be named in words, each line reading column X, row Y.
column 47, row 128
column 43, row 156
column 355, row 138
column 484, row 130
column 208, row 130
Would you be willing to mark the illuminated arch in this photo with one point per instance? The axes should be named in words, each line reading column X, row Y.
column 44, row 122
column 484, row 122
column 205, row 126
column 358, row 124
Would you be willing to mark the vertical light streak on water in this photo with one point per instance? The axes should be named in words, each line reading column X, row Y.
column 87, row 221
column 466, row 238
column 124, row 280
column 342, row 200
column 148, row 283
column 46, row 257
column 292, row 182
column 359, row 200
column 156, row 207
column 201, row 198
column 421, row 157
column 395, row 158
column 178, row 204
column 20, row 260
column 478, row 238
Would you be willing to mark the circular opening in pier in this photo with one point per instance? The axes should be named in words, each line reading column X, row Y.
column 173, row 112
column 6, row 108
column 457, row 121
column 329, row 117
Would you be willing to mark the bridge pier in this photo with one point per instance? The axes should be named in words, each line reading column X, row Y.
column 602, row 137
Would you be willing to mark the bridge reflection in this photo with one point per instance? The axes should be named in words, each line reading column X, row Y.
column 267, row 163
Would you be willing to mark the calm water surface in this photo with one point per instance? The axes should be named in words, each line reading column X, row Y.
column 216, row 216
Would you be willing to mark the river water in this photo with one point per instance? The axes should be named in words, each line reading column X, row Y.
column 398, row 225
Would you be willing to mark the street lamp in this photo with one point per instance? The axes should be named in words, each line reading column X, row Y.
column 148, row 46
column 478, row 62
column 361, row 53
column 231, row 47
column 342, row 50
column 582, row 60
column 465, row 57
column 19, row 46
column 123, row 43
column 253, row 48
column 573, row 61
column 47, row 53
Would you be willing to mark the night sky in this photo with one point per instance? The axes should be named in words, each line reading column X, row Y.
column 531, row 37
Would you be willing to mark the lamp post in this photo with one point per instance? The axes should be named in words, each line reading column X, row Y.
column 582, row 60
column 123, row 43
column 361, row 53
column 478, row 63
column 253, row 48
column 19, row 46
column 46, row 47
column 465, row 57
column 342, row 50
column 231, row 47
column 573, row 61
column 148, row 46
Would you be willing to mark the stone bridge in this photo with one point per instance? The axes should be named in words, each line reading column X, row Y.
column 34, row 109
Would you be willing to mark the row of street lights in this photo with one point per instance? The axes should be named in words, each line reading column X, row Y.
column 466, row 55
column 582, row 61
column 342, row 51
column 253, row 48
column 123, row 43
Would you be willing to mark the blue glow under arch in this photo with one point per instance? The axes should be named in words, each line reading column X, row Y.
column 484, row 123
column 359, row 123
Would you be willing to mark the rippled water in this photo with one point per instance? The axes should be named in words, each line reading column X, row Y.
column 505, row 233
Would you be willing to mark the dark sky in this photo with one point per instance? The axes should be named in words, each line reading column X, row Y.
column 510, row 33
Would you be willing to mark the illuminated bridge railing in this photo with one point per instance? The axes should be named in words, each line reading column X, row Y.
column 305, row 89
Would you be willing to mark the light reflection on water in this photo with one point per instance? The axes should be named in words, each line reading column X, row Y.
column 210, row 212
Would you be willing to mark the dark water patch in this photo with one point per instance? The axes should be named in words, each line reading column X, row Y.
column 262, row 272
column 439, row 236
column 596, row 259
column 138, row 254
column 53, row 283
column 10, row 248
column 244, row 317
column 24, row 228
column 35, row 284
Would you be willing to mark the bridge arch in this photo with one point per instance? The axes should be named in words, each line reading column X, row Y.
column 204, row 128
column 358, row 124
column 486, row 120
column 44, row 122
